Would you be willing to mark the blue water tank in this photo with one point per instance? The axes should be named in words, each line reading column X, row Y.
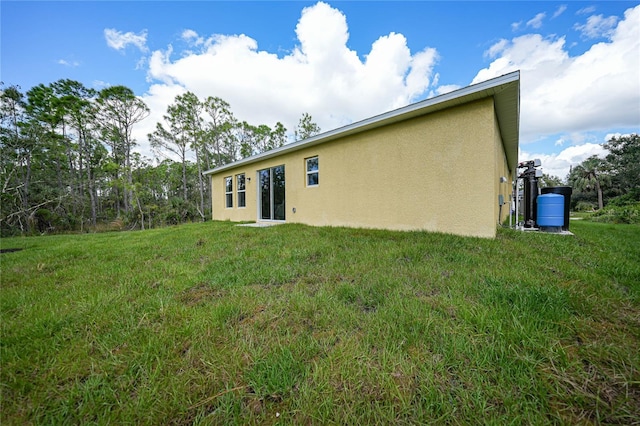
column 550, row 210
column 566, row 192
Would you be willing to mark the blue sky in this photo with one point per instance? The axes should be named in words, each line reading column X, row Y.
column 345, row 61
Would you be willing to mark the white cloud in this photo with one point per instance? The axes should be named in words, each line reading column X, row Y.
column 536, row 21
column 597, row 26
column 496, row 48
column 66, row 63
column 559, row 11
column 189, row 34
column 515, row 26
column 321, row 75
column 616, row 135
column 445, row 88
column 119, row 41
column 99, row 84
column 192, row 37
column 598, row 90
column 559, row 164
column 157, row 98
column 586, row 10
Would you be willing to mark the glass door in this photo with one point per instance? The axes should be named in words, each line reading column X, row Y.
column 265, row 194
column 272, row 193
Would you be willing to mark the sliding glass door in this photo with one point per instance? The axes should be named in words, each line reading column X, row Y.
column 271, row 202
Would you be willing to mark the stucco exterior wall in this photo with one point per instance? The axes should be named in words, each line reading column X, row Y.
column 501, row 170
column 438, row 172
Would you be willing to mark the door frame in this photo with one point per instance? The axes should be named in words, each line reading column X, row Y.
column 271, row 196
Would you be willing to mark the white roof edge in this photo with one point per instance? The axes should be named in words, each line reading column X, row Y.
column 428, row 105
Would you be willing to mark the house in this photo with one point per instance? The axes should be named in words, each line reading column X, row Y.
column 444, row 164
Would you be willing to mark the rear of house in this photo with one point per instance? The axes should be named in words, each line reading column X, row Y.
column 437, row 165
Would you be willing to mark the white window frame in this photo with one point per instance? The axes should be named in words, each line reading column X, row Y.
column 242, row 191
column 311, row 172
column 228, row 192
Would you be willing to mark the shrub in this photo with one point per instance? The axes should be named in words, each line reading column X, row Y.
column 584, row 206
column 623, row 200
column 628, row 213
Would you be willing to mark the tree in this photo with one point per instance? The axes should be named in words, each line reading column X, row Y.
column 306, row 127
column 119, row 110
column 623, row 162
column 278, row 136
column 80, row 112
column 174, row 139
column 51, row 189
column 590, row 175
column 191, row 111
column 15, row 156
column 185, row 117
column 247, row 136
column 219, row 135
column 254, row 140
column 45, row 118
column 549, row 180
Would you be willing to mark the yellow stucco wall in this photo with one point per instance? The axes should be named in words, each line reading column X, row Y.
column 439, row 172
column 501, row 170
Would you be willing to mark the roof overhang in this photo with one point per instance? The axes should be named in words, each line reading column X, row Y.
column 504, row 89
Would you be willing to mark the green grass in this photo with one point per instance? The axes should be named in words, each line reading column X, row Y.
column 217, row 324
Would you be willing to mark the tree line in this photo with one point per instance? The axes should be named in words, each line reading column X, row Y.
column 599, row 181
column 68, row 159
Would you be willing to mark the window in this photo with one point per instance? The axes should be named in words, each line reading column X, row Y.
column 242, row 201
column 312, row 171
column 228, row 192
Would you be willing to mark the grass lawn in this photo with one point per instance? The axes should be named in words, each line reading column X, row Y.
column 217, row 324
